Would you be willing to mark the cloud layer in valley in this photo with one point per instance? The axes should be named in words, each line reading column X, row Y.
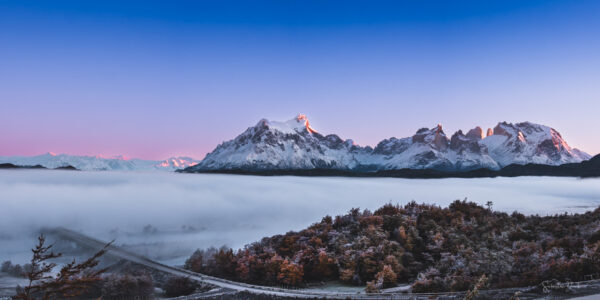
column 168, row 215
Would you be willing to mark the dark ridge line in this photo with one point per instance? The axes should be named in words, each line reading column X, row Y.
column 584, row 169
column 13, row 166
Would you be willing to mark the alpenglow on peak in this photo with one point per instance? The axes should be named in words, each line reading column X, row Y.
column 297, row 124
column 294, row 145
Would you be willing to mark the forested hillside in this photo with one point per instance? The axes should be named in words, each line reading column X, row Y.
column 433, row 248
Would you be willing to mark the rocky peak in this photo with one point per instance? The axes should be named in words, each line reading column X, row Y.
column 439, row 129
column 440, row 140
column 434, row 137
column 393, row 145
column 476, row 133
column 300, row 118
column 529, row 142
column 457, row 138
column 460, row 142
column 502, row 129
column 335, row 142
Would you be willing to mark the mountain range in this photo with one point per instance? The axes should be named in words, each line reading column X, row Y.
column 99, row 163
column 296, row 145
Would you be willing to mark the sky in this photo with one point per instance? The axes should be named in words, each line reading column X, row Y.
column 154, row 79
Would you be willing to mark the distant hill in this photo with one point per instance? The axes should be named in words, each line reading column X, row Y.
column 13, row 166
column 99, row 163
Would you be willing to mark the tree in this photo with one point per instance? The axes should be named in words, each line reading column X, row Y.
column 393, row 262
column 373, row 286
column 383, row 279
column 272, row 269
column 225, row 262
column 325, row 266
column 290, row 273
column 179, row 286
column 347, row 275
column 367, row 265
column 387, row 276
column 73, row 279
column 14, row 270
column 39, row 269
column 195, row 262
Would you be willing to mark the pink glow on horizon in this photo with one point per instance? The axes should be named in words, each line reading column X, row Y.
column 186, row 140
column 118, row 157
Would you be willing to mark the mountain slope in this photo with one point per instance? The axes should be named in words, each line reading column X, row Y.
column 527, row 142
column 99, row 163
column 295, row 145
column 283, row 145
column 431, row 149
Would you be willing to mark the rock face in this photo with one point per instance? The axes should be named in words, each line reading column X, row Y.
column 294, row 145
column 476, row 133
column 527, row 142
column 431, row 149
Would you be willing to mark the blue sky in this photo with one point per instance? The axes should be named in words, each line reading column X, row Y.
column 152, row 79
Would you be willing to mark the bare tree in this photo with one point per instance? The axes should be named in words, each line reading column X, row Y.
column 73, row 279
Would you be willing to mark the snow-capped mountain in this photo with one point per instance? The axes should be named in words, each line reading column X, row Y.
column 527, row 142
column 431, row 149
column 98, row 163
column 283, row 145
column 295, row 145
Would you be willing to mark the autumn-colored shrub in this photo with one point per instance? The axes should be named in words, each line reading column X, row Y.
column 290, row 273
column 387, row 276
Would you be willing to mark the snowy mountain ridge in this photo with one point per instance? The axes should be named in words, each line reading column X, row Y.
column 99, row 162
column 294, row 144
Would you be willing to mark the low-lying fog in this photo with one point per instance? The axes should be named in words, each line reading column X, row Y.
column 167, row 215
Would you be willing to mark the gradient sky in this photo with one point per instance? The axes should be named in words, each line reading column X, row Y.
column 156, row 79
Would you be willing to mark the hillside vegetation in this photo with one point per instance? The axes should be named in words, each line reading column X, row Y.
column 436, row 249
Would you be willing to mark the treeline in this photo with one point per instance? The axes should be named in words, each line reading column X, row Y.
column 15, row 270
column 437, row 249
